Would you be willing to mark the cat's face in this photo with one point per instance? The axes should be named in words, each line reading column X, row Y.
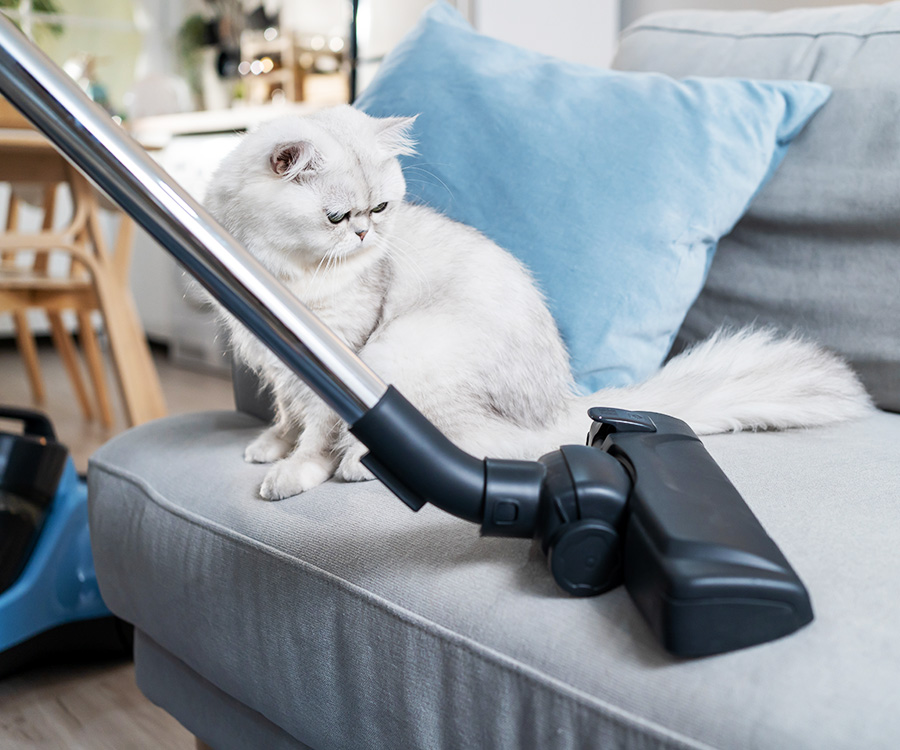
column 314, row 191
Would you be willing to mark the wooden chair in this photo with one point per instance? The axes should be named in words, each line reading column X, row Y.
column 97, row 280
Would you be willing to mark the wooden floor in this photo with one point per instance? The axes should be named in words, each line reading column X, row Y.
column 97, row 707
column 84, row 708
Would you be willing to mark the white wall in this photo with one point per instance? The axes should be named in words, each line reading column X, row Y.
column 582, row 31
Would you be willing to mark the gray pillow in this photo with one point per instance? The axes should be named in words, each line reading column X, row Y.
column 819, row 250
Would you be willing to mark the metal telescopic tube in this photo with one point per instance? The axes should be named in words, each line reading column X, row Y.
column 119, row 166
column 411, row 456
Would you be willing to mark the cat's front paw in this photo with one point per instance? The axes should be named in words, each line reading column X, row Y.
column 292, row 477
column 266, row 448
column 350, row 468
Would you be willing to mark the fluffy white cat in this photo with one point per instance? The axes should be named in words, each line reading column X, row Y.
column 453, row 321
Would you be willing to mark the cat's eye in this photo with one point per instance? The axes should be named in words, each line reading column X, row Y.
column 338, row 218
column 379, row 208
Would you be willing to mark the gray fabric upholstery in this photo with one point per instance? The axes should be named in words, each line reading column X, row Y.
column 249, row 395
column 214, row 717
column 819, row 249
column 349, row 622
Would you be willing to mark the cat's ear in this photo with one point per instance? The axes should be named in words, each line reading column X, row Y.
column 290, row 160
column 394, row 135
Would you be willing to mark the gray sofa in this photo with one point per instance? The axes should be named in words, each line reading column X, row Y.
column 341, row 620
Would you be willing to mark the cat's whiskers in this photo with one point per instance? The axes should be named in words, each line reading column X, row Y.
column 333, row 260
column 399, row 254
column 339, row 259
column 421, row 168
column 311, row 284
column 411, row 249
column 330, row 259
column 409, row 255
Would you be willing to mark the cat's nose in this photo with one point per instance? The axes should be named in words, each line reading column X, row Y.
column 361, row 233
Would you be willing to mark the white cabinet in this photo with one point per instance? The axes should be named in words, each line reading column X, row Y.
column 171, row 314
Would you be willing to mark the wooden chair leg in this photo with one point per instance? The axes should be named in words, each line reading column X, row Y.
column 63, row 343
column 94, row 358
column 28, row 352
column 135, row 370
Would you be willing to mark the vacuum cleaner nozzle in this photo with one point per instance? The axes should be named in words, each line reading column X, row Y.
column 643, row 502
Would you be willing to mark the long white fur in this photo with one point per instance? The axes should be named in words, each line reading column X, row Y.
column 452, row 320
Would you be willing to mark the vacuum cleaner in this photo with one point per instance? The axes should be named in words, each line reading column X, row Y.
column 641, row 503
column 50, row 604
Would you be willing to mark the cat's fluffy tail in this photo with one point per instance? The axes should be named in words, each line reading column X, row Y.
column 748, row 379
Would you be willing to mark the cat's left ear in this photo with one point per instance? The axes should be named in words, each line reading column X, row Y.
column 394, row 135
column 290, row 160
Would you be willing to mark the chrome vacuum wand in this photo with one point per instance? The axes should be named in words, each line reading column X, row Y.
column 119, row 166
column 643, row 501
column 113, row 161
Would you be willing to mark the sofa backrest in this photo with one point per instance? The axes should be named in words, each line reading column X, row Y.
column 819, row 250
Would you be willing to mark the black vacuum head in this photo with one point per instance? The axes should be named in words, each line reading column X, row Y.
column 698, row 564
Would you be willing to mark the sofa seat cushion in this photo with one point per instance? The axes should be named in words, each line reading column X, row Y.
column 348, row 621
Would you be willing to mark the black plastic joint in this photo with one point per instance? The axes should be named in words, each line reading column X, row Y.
column 512, row 494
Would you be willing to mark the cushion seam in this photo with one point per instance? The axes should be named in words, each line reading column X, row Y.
column 755, row 34
column 184, row 665
column 508, row 664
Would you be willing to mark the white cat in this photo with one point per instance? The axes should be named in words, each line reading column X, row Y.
column 452, row 320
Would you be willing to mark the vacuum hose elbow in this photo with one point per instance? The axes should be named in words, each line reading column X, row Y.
column 416, row 462
column 419, row 465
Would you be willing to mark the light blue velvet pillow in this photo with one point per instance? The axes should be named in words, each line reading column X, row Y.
column 613, row 188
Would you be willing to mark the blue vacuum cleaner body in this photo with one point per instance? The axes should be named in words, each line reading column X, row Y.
column 50, row 604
